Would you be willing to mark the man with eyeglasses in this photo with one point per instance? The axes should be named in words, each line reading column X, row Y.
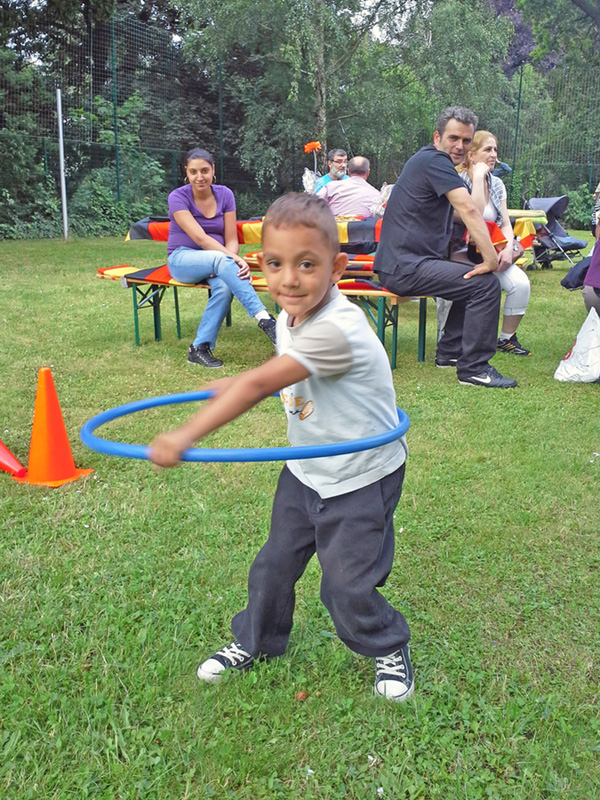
column 337, row 161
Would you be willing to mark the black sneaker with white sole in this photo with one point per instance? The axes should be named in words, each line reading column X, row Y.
column 231, row 657
column 269, row 326
column 489, row 377
column 443, row 362
column 202, row 355
column 394, row 677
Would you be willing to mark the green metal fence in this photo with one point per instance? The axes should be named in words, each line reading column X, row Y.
column 133, row 104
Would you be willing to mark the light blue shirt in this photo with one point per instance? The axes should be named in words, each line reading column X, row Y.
column 321, row 182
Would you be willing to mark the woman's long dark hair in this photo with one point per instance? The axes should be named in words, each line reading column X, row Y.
column 198, row 152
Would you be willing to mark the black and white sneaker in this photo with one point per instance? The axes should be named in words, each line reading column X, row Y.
column 489, row 377
column 202, row 355
column 231, row 657
column 394, row 677
column 443, row 362
column 512, row 345
column 269, row 326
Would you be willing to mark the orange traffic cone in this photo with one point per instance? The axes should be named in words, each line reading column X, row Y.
column 50, row 457
column 9, row 463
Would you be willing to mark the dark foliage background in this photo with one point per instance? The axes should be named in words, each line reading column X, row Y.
column 254, row 80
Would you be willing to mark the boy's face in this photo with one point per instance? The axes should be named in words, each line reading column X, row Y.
column 300, row 268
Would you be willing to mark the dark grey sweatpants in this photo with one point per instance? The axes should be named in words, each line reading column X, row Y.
column 471, row 330
column 353, row 537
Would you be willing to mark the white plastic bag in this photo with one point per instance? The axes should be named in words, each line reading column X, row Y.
column 309, row 180
column 582, row 362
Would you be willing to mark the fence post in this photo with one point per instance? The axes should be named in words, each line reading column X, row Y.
column 516, row 130
column 61, row 159
column 220, row 123
column 113, row 50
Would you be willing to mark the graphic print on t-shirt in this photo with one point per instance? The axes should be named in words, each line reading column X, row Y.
column 297, row 404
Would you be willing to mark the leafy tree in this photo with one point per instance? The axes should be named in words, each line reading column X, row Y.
column 458, row 53
column 142, row 178
column 563, row 25
column 24, row 186
column 287, row 65
column 522, row 42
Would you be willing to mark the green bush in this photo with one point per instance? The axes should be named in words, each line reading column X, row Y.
column 40, row 218
column 30, row 204
column 581, row 203
column 93, row 209
column 251, row 204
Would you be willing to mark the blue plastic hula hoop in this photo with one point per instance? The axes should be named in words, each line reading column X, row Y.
column 225, row 454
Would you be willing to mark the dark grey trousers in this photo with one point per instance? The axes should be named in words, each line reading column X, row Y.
column 471, row 331
column 353, row 537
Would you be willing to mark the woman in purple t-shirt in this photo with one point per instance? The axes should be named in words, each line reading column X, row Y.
column 591, row 282
column 203, row 246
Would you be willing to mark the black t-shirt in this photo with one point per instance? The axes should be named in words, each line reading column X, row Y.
column 417, row 223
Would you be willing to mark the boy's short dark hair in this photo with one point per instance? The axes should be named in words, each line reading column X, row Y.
column 295, row 210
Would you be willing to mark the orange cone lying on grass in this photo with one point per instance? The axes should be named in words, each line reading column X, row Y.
column 50, row 457
column 9, row 463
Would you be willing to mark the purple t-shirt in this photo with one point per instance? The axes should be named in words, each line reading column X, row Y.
column 182, row 199
column 593, row 274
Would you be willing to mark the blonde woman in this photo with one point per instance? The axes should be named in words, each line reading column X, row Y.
column 489, row 195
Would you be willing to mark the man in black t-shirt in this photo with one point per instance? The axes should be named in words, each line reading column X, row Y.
column 415, row 234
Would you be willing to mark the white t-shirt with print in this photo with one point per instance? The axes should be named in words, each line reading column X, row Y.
column 349, row 395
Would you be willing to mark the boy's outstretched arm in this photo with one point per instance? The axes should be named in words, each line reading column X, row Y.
column 237, row 395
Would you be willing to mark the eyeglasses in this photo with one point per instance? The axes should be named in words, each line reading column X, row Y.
column 340, row 160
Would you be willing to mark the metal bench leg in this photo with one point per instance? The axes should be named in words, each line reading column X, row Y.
column 177, row 320
column 394, row 318
column 136, row 322
column 422, row 328
column 156, row 313
column 381, row 319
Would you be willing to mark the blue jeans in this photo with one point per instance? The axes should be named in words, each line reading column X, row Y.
column 187, row 265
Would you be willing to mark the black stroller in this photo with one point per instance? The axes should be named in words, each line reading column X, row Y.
column 553, row 241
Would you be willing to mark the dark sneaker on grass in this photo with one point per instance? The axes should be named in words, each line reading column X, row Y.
column 269, row 326
column 394, row 675
column 489, row 377
column 513, row 346
column 231, row 657
column 202, row 355
column 443, row 362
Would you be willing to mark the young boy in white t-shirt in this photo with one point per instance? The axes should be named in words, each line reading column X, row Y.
column 336, row 385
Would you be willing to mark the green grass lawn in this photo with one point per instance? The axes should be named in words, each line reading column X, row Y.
column 113, row 588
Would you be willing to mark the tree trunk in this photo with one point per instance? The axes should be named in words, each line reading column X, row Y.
column 320, row 83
